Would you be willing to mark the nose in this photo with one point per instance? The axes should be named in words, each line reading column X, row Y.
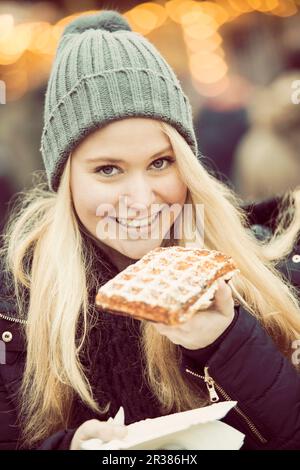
column 139, row 197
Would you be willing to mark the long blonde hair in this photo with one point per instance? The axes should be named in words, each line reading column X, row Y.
column 44, row 224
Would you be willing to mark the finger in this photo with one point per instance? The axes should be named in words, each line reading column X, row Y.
column 223, row 290
column 223, row 298
column 97, row 429
column 120, row 432
column 161, row 328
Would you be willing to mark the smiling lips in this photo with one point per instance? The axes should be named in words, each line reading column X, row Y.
column 137, row 223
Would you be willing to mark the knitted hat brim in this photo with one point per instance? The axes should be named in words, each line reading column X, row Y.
column 83, row 110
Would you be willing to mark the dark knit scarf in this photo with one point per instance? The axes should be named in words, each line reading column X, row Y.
column 113, row 357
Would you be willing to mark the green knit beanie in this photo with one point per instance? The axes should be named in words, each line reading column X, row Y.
column 103, row 71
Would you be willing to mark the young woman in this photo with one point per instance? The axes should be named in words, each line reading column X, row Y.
column 118, row 128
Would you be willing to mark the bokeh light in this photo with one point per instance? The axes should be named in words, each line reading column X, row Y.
column 199, row 23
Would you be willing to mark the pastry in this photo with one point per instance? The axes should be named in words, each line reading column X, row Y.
column 168, row 285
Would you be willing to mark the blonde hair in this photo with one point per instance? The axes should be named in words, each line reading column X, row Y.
column 44, row 224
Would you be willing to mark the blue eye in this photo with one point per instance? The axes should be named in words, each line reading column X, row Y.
column 104, row 168
column 168, row 160
column 105, row 173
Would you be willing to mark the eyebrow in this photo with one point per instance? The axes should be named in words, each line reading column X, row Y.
column 100, row 158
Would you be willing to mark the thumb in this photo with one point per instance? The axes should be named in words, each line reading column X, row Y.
column 223, row 298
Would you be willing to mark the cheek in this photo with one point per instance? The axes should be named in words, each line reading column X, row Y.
column 89, row 194
column 174, row 190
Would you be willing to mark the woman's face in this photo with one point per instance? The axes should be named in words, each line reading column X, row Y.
column 127, row 170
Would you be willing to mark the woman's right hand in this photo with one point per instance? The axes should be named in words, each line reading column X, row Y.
column 95, row 429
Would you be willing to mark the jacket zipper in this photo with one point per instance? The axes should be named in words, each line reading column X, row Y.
column 17, row 320
column 212, row 386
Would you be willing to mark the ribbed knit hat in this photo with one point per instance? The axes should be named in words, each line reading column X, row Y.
column 103, row 71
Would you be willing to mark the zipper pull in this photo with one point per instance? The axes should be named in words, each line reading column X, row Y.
column 210, row 384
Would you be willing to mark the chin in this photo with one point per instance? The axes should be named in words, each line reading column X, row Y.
column 139, row 248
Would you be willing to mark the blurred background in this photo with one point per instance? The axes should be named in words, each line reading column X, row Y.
column 238, row 62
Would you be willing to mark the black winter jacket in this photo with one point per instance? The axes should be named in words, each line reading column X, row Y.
column 244, row 363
